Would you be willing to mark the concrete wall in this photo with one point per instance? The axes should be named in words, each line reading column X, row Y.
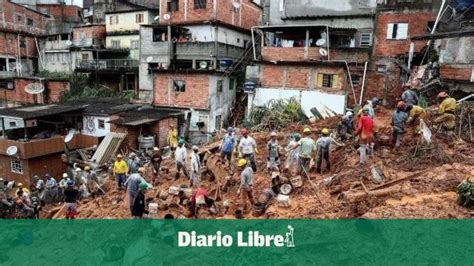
column 458, row 50
column 127, row 21
column 86, row 36
column 59, row 62
column 125, row 42
column 91, row 126
column 18, row 96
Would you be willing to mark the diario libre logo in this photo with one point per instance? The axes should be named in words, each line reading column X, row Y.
column 243, row 239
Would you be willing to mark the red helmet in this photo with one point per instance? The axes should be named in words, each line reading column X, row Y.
column 401, row 105
column 244, row 131
column 442, row 95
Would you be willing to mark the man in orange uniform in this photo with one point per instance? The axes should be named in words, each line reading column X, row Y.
column 365, row 129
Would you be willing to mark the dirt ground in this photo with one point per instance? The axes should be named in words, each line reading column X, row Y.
column 428, row 190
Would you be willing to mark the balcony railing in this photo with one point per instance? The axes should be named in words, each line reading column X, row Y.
column 107, row 64
column 56, row 45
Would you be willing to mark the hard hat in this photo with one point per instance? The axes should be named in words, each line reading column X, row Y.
column 241, row 163
column 132, row 154
column 143, row 186
column 230, row 129
column 181, row 141
column 35, row 177
column 87, row 168
column 442, row 94
column 156, row 149
column 306, row 130
column 195, row 148
column 78, row 169
column 20, row 184
column 297, row 136
column 64, row 175
column 244, row 131
column 325, row 131
column 401, row 105
column 119, row 156
column 70, row 183
column 142, row 170
column 349, row 113
column 273, row 134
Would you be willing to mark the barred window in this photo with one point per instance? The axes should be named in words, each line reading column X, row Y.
column 16, row 166
column 200, row 4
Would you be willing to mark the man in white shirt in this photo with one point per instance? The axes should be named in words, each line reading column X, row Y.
column 180, row 158
column 248, row 148
column 195, row 166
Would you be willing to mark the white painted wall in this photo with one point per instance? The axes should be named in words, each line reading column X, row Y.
column 127, row 21
column 220, row 102
column 207, row 33
column 308, row 99
column 91, row 126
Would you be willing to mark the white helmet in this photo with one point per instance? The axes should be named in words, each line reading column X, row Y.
column 349, row 113
column 273, row 134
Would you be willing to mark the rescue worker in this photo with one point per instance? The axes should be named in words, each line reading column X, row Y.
column 51, row 188
column 292, row 152
column 273, row 148
column 62, row 186
column 323, row 145
column 248, row 148
column 132, row 184
column 200, row 198
column 139, row 202
column 40, row 188
column 409, row 96
column 307, row 146
column 180, row 159
column 133, row 163
column 24, row 189
column 172, row 138
column 365, row 131
column 71, row 196
column 246, row 183
column 195, row 167
column 92, row 182
column 370, row 106
column 346, row 126
column 415, row 114
column 227, row 146
column 156, row 160
column 446, row 117
column 23, row 209
column 399, row 118
column 120, row 171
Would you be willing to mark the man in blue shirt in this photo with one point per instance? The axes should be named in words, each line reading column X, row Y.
column 227, row 146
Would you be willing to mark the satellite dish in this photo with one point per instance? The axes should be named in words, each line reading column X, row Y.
column 149, row 59
column 12, row 150
column 203, row 65
column 166, row 16
column 320, row 42
column 156, row 18
column 323, row 52
column 34, row 88
column 68, row 43
column 69, row 136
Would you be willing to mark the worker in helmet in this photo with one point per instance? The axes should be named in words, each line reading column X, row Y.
column 370, row 106
column 292, row 152
column 246, row 183
column 133, row 163
column 307, row 147
column 92, row 182
column 132, row 183
column 399, row 119
column 156, row 160
column 227, row 146
column 139, row 202
column 24, row 189
column 409, row 96
column 365, row 131
column 172, row 138
column 51, row 188
column 63, row 186
column 71, row 196
column 248, row 148
column 180, row 157
column 40, row 187
column 195, row 167
column 273, row 148
column 447, row 109
column 323, row 145
column 120, row 171
column 415, row 114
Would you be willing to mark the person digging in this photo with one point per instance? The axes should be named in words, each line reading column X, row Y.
column 246, row 183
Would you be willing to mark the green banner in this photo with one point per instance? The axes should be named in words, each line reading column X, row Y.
column 236, row 242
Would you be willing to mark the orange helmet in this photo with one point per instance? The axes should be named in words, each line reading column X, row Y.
column 442, row 95
column 401, row 105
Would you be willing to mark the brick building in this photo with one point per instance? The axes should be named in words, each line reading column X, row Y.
column 314, row 52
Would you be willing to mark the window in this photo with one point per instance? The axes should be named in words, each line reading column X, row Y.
column 355, row 79
column 397, row 31
column 113, row 20
column 139, row 18
column 381, row 68
column 101, row 123
column 200, row 4
column 134, row 44
column 231, row 84
column 19, row 18
column 116, row 44
column 173, row 5
column 220, row 85
column 30, row 22
column 159, row 35
column 22, row 43
column 12, row 124
column 328, row 80
column 218, row 122
column 179, row 85
column 430, row 26
column 366, row 39
column 16, row 166
column 85, row 56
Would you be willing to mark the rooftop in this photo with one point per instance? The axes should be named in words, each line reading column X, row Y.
column 37, row 111
column 105, row 106
column 144, row 116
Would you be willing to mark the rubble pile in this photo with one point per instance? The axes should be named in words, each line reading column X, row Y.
column 393, row 184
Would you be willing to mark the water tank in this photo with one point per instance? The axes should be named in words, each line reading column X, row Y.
column 146, row 142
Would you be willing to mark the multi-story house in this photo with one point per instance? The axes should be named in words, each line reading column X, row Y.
column 314, row 52
column 190, row 60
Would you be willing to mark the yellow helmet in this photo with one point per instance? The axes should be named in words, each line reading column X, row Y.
column 242, row 162
column 325, row 131
column 306, row 130
column 87, row 168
